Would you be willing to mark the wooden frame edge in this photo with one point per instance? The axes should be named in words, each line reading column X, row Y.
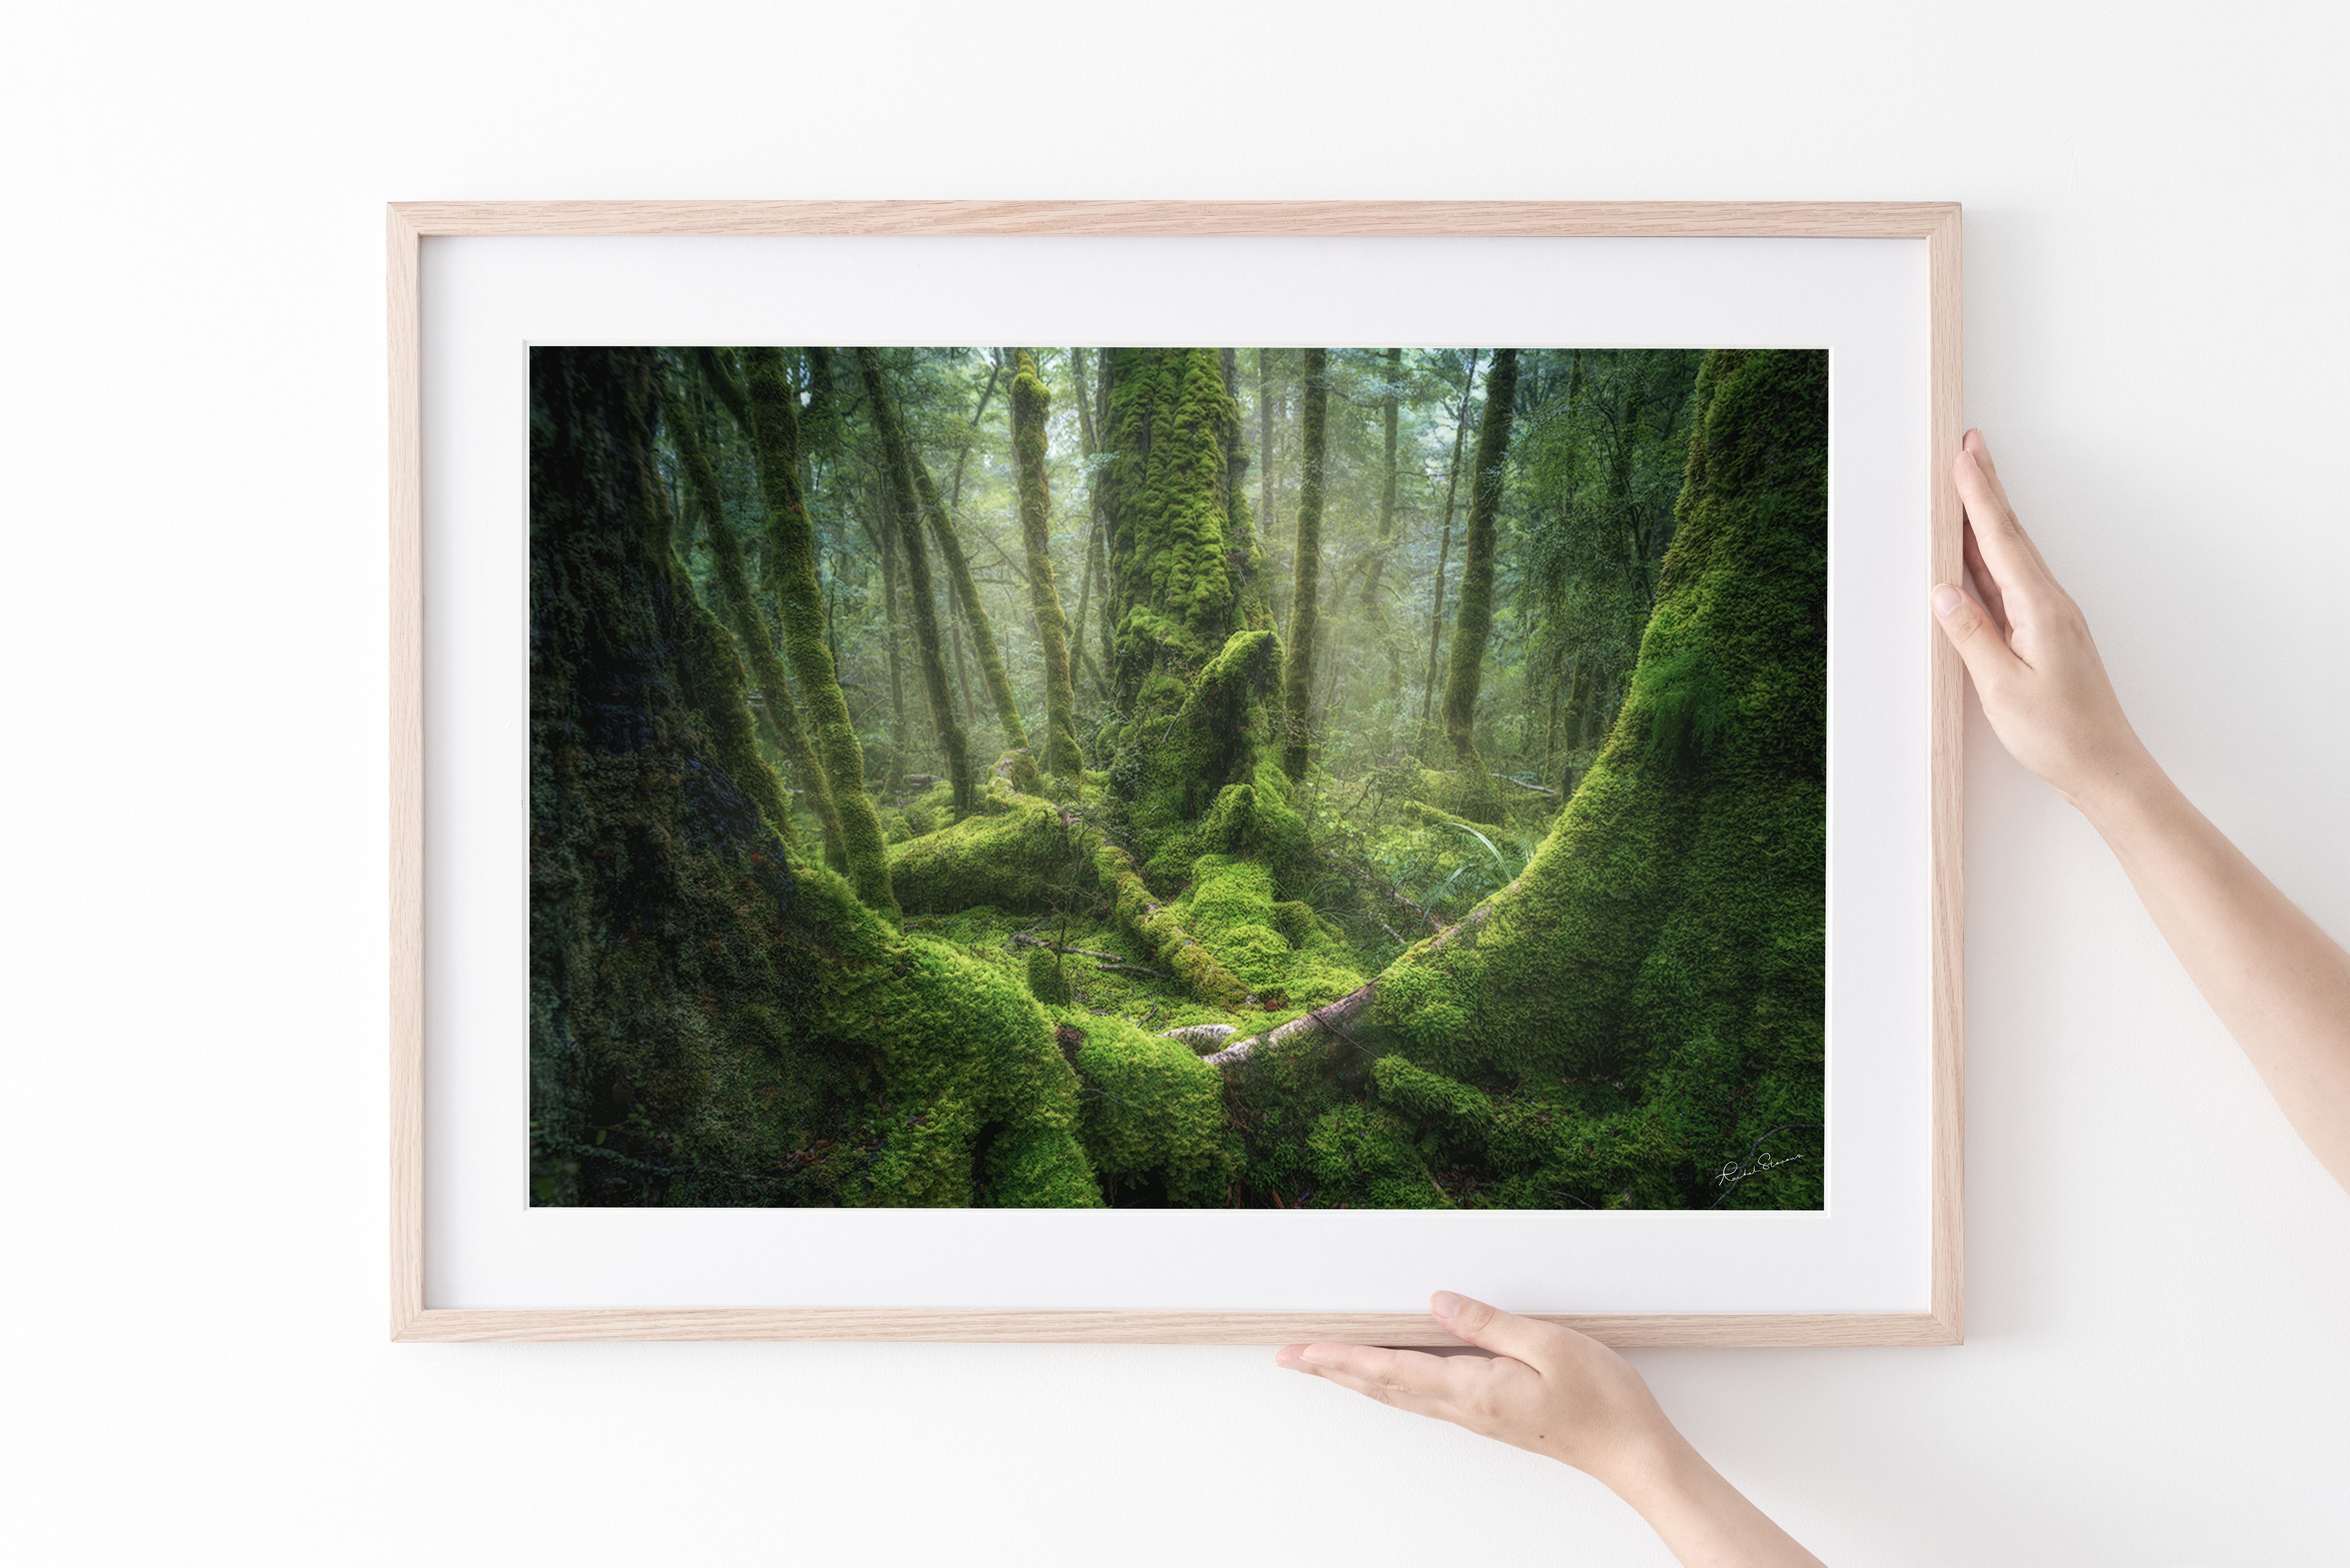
column 407, row 774
column 999, row 1326
column 1878, row 220
column 1945, row 789
column 1936, row 223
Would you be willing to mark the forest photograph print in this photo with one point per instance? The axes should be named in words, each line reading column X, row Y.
column 1268, row 778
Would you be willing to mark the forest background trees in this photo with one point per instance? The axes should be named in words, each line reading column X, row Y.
column 1101, row 694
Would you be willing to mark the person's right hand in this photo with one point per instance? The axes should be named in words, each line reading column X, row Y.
column 2028, row 648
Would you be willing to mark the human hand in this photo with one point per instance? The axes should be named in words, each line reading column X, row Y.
column 2028, row 648
column 1546, row 1389
column 1563, row 1394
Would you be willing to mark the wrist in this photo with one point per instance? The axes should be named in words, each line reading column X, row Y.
column 2124, row 784
column 1652, row 1471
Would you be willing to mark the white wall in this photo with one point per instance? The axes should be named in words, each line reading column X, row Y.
column 191, row 1152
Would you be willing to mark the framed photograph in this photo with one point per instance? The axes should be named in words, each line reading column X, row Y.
column 1104, row 771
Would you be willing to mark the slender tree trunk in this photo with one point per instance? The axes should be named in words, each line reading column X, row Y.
column 928, row 650
column 959, row 623
column 1297, row 679
column 1089, row 448
column 1444, row 547
column 1112, row 609
column 975, row 618
column 954, row 489
column 1474, row 626
column 1264, row 435
column 1389, row 409
column 1030, row 406
column 886, row 537
column 791, row 571
column 778, row 712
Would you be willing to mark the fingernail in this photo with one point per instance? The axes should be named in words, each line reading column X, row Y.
column 1447, row 1304
column 1945, row 599
column 1311, row 1353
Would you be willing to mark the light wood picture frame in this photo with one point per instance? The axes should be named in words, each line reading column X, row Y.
column 1937, row 225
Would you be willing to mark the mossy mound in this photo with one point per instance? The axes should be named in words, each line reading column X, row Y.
column 1280, row 949
column 1154, row 1117
column 1020, row 857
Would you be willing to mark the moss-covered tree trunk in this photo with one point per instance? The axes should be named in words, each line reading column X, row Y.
column 905, row 509
column 1030, row 405
column 1166, row 504
column 1473, row 627
column 777, row 709
column 799, row 598
column 1305, row 607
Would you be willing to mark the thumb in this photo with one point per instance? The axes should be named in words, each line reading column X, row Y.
column 1988, row 657
column 1489, row 1327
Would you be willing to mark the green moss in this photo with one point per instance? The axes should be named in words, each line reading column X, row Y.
column 1170, row 772
column 1231, row 910
column 930, row 810
column 1362, row 1158
column 1020, row 857
column 1154, row 1114
column 1167, row 498
column 1161, row 929
column 967, row 1061
column 1046, row 983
